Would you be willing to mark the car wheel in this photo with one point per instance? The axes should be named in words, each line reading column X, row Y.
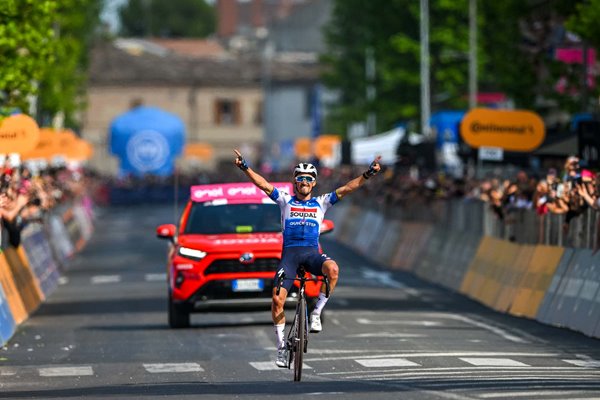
column 178, row 318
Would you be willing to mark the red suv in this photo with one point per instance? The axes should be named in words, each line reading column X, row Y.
column 226, row 251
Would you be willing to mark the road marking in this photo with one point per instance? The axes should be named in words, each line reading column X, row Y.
column 386, row 335
column 461, row 370
column 422, row 378
column 494, row 362
column 584, row 363
column 63, row 280
column 365, row 321
column 528, row 394
column 83, row 370
column 155, row 277
column 387, row 362
column 101, row 279
column 490, row 328
column 270, row 366
column 383, row 277
column 441, row 354
column 172, row 368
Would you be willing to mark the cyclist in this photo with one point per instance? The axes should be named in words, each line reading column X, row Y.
column 301, row 218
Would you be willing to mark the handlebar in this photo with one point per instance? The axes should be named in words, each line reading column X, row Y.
column 302, row 278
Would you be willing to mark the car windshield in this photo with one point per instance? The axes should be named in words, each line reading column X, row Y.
column 233, row 218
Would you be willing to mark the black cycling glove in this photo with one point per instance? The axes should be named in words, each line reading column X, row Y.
column 244, row 165
column 370, row 172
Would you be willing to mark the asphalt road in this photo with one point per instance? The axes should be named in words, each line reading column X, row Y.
column 103, row 334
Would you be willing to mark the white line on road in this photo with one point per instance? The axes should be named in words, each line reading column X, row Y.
column 387, row 362
column 383, row 277
column 386, row 335
column 473, row 377
column 487, row 327
column 172, row 368
column 270, row 366
column 155, row 277
column 493, row 362
column 365, row 321
column 101, row 279
column 63, row 280
column 83, row 370
column 442, row 354
column 530, row 393
column 462, row 370
column 584, row 363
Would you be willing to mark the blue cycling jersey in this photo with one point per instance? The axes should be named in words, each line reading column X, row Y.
column 301, row 220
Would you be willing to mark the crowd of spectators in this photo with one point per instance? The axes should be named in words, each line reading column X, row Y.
column 26, row 196
column 570, row 193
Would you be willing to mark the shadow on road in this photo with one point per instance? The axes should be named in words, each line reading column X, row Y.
column 306, row 387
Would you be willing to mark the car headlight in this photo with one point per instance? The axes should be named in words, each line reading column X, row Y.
column 191, row 253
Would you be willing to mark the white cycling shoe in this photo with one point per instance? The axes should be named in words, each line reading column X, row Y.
column 315, row 323
column 282, row 358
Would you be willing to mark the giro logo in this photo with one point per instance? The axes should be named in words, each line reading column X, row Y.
column 147, row 151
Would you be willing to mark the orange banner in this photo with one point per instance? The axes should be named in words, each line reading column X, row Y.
column 303, row 148
column 521, row 130
column 18, row 134
column 45, row 147
column 325, row 145
column 202, row 151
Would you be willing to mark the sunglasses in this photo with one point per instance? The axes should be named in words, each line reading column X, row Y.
column 303, row 178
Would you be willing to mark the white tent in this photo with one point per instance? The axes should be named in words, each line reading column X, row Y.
column 364, row 150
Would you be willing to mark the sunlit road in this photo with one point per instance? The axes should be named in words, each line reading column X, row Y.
column 103, row 334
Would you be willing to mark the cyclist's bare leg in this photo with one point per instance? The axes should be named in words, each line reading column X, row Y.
column 331, row 269
column 277, row 303
column 278, row 315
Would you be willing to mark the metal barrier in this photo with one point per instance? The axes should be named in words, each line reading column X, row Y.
column 517, row 225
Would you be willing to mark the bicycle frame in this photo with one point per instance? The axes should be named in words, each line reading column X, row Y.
column 297, row 339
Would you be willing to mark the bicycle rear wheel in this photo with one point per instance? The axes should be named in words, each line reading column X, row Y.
column 299, row 339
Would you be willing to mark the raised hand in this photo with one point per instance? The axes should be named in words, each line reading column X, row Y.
column 374, row 168
column 239, row 161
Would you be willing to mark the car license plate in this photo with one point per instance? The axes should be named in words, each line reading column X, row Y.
column 248, row 285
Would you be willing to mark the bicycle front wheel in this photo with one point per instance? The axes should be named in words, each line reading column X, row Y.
column 299, row 339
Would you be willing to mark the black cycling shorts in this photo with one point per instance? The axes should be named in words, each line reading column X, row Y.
column 293, row 257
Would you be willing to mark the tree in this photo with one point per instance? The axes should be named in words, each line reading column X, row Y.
column 26, row 39
column 62, row 88
column 175, row 18
column 43, row 46
column 391, row 29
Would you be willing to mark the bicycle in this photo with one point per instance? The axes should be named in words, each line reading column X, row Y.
column 297, row 339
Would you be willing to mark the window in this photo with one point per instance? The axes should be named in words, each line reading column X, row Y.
column 227, row 112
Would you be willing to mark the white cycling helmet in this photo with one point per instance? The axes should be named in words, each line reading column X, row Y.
column 305, row 168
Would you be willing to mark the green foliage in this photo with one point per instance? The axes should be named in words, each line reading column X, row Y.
column 174, row 18
column 26, row 48
column 44, row 46
column 62, row 87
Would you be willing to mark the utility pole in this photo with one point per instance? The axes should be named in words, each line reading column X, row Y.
column 371, row 92
column 425, row 90
column 472, row 54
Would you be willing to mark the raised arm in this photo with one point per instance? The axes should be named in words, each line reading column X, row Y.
column 355, row 183
column 255, row 177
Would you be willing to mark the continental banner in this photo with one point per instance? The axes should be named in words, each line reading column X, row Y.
column 510, row 130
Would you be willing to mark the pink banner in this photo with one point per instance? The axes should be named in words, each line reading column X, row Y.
column 575, row 56
column 244, row 191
